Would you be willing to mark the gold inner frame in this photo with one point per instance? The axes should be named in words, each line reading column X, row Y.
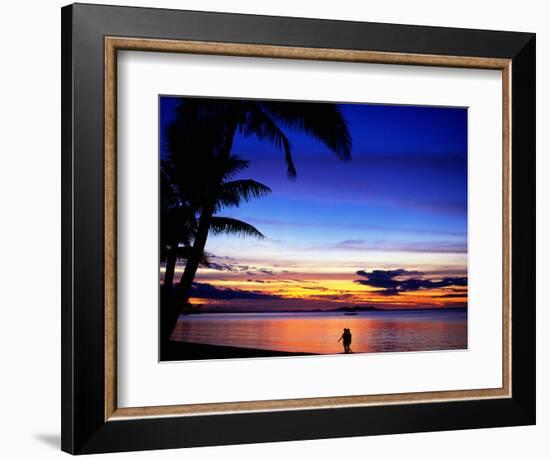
column 114, row 44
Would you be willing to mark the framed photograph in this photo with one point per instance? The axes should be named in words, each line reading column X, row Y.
column 281, row 229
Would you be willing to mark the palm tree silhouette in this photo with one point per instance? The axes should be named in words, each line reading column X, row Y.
column 218, row 195
column 182, row 226
column 195, row 179
column 210, row 125
column 178, row 223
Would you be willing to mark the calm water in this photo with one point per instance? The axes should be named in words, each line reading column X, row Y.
column 374, row 331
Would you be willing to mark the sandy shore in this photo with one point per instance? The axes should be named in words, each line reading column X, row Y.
column 180, row 351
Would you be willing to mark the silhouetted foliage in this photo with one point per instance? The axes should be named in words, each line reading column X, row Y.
column 197, row 176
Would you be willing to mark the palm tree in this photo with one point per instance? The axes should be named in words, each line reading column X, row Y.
column 218, row 194
column 209, row 126
column 181, row 181
column 222, row 118
column 178, row 223
column 225, row 194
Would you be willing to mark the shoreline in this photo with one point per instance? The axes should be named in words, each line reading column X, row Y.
column 188, row 351
column 342, row 311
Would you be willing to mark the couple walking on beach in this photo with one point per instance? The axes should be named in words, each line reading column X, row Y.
column 346, row 340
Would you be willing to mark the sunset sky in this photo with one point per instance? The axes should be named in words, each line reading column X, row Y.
column 386, row 229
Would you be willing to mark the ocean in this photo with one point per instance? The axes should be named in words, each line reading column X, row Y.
column 318, row 332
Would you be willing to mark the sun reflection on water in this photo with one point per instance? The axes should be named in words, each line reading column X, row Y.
column 319, row 332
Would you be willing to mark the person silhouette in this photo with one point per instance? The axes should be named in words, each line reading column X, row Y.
column 346, row 340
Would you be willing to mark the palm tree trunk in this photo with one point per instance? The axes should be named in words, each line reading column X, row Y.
column 186, row 282
column 170, row 310
column 170, row 268
column 183, row 291
column 173, row 301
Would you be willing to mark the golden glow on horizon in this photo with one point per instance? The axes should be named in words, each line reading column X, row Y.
column 342, row 292
column 293, row 285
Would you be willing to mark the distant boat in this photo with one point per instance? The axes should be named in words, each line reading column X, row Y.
column 350, row 313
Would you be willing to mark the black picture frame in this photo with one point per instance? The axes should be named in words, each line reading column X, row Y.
column 84, row 427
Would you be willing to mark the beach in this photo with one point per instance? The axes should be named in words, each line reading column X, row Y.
column 180, row 351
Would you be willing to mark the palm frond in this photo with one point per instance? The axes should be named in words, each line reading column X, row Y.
column 168, row 187
column 205, row 259
column 209, row 123
column 224, row 225
column 323, row 121
column 232, row 193
column 185, row 252
column 264, row 127
column 227, row 167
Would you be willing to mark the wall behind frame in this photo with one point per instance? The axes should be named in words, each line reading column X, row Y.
column 30, row 233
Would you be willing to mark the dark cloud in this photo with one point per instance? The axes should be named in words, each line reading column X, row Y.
column 242, row 268
column 222, row 266
column 393, row 282
column 455, row 304
column 450, row 273
column 442, row 296
column 208, row 291
column 386, row 278
column 215, row 256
